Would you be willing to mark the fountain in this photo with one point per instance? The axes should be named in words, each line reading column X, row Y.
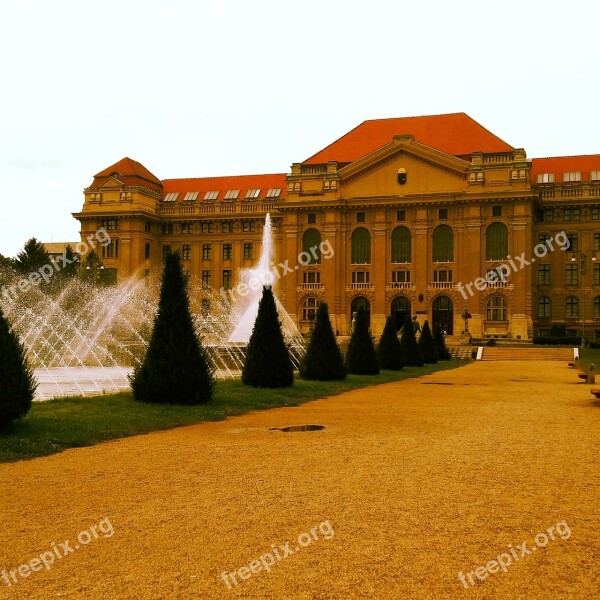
column 82, row 339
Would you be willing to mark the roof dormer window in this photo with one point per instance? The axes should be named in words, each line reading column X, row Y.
column 545, row 178
column 171, row 197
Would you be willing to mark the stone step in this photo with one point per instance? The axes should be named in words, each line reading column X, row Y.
column 551, row 354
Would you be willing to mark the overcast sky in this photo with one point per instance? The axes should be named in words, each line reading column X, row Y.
column 199, row 88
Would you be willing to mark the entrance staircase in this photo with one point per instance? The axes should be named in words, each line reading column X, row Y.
column 505, row 353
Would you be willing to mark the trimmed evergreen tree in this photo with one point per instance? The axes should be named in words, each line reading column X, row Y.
column 323, row 360
column 440, row 344
column 268, row 363
column 408, row 341
column 427, row 345
column 176, row 368
column 389, row 350
column 17, row 383
column 361, row 358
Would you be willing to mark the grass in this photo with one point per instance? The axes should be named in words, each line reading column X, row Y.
column 56, row 425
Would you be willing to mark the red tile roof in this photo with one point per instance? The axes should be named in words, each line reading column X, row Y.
column 225, row 184
column 130, row 172
column 563, row 164
column 456, row 134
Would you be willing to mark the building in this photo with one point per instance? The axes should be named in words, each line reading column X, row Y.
column 422, row 215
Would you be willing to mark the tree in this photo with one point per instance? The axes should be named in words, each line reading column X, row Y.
column 361, row 358
column 440, row 344
column 71, row 263
column 176, row 368
column 410, row 348
column 17, row 382
column 323, row 360
column 268, row 363
column 389, row 350
column 427, row 345
column 33, row 256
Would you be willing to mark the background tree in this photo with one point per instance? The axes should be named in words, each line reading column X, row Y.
column 323, row 360
column 33, row 256
column 389, row 350
column 176, row 368
column 427, row 345
column 440, row 344
column 361, row 358
column 268, row 363
column 17, row 383
column 410, row 349
column 70, row 268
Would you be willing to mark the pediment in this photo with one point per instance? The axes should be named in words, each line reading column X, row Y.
column 110, row 183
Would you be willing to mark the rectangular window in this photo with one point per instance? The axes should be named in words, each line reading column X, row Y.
column 186, row 252
column 543, row 237
column 596, row 241
column 232, row 194
column 572, row 176
column 312, row 277
column 190, row 196
column 496, row 211
column 187, row 228
column 443, row 213
column 400, row 215
column 401, row 276
column 167, row 228
column 594, row 175
column 248, row 226
column 571, row 274
column 312, row 218
column 360, row 276
column 572, row 214
column 543, row 274
column 147, row 227
column 171, row 197
column 110, row 224
column 227, row 227
column 207, row 227
column 248, row 250
column 227, row 278
column 595, row 214
column 273, row 193
column 166, row 251
column 206, row 278
column 545, row 178
column 596, row 274
column 206, row 252
column 227, row 251
column 548, row 215
column 573, row 242
column 442, row 276
column 361, row 217
column 252, row 194
column 111, row 250
column 211, row 196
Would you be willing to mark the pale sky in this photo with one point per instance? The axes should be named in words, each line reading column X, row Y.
column 200, row 88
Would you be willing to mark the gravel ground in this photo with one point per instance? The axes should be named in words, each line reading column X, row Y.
column 409, row 484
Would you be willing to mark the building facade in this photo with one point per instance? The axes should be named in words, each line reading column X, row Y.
column 431, row 216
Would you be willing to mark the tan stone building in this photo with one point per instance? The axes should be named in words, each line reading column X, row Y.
column 416, row 215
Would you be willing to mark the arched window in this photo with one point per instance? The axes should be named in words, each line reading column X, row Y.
column 309, row 309
column 361, row 302
column 496, row 242
column 443, row 244
column 361, row 246
column 401, row 245
column 311, row 241
column 544, row 307
column 572, row 306
column 497, row 309
column 400, row 308
column 442, row 314
column 597, row 306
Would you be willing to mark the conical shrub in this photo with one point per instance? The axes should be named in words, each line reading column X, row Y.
column 361, row 358
column 268, row 363
column 17, row 383
column 176, row 368
column 440, row 344
column 427, row 345
column 410, row 349
column 323, row 360
column 389, row 350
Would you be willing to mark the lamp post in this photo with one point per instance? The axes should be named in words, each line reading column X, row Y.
column 582, row 265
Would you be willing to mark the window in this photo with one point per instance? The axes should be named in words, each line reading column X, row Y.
column 227, row 251
column 496, row 241
column 312, row 218
column 330, row 185
column 597, row 310
column 186, row 252
column 497, row 309
column 571, row 274
column 190, row 196
column 206, row 252
column 167, row 228
column 443, row 213
column 596, row 274
column 166, row 251
column 232, row 194
column 596, row 241
column 309, row 309
column 594, row 175
column 543, row 238
column 361, row 276
column 206, row 278
column 207, row 227
column 496, row 211
column 543, row 274
column 171, row 197
column 227, row 227
column 573, row 242
column 227, row 278
column 187, row 228
column 572, row 307
column 361, row 217
column 401, row 251
column 400, row 215
column 443, row 244
column 252, row 194
column 572, row 176
column 478, row 176
column 248, row 226
column 311, row 243
column 400, row 276
column 544, row 307
column 595, row 214
column 273, row 193
column 571, row 214
column 147, row 251
column 548, row 215
column 147, row 227
column 545, row 178
column 211, row 196
column 361, row 247
column 110, row 224
column 519, row 174
column 248, row 250
column 312, row 277
column 111, row 250
column 442, row 276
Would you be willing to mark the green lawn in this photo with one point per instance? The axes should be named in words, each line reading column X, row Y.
column 56, row 425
